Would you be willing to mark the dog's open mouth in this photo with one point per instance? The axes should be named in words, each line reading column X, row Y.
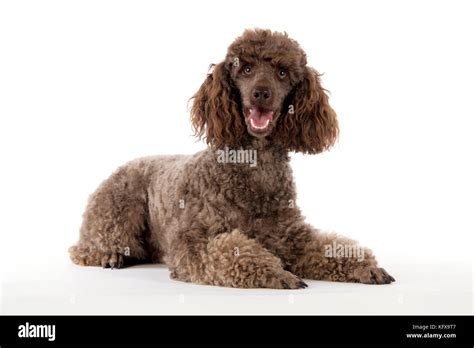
column 259, row 120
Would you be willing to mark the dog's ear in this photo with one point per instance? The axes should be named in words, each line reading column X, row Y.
column 215, row 112
column 310, row 124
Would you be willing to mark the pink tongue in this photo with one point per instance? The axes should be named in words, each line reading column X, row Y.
column 260, row 118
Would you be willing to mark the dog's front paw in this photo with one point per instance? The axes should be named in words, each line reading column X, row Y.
column 284, row 280
column 372, row 275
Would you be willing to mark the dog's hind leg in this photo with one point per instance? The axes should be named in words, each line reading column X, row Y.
column 115, row 222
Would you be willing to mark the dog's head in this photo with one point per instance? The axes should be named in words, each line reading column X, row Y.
column 264, row 89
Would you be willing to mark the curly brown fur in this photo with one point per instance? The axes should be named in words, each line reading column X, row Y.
column 230, row 224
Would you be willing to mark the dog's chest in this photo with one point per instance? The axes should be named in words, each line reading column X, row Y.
column 257, row 196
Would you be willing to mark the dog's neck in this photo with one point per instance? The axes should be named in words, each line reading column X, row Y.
column 262, row 186
column 258, row 165
column 253, row 155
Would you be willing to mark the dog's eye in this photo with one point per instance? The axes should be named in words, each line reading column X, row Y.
column 282, row 73
column 247, row 70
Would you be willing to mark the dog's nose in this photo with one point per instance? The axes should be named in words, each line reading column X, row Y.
column 261, row 94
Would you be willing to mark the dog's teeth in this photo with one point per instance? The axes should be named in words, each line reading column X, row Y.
column 259, row 127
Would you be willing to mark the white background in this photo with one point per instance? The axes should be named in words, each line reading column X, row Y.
column 88, row 85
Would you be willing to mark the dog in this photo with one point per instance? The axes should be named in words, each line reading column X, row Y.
column 226, row 222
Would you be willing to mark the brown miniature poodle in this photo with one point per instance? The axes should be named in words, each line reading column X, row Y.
column 227, row 215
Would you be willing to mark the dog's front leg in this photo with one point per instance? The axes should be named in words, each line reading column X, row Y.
column 227, row 259
column 311, row 254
